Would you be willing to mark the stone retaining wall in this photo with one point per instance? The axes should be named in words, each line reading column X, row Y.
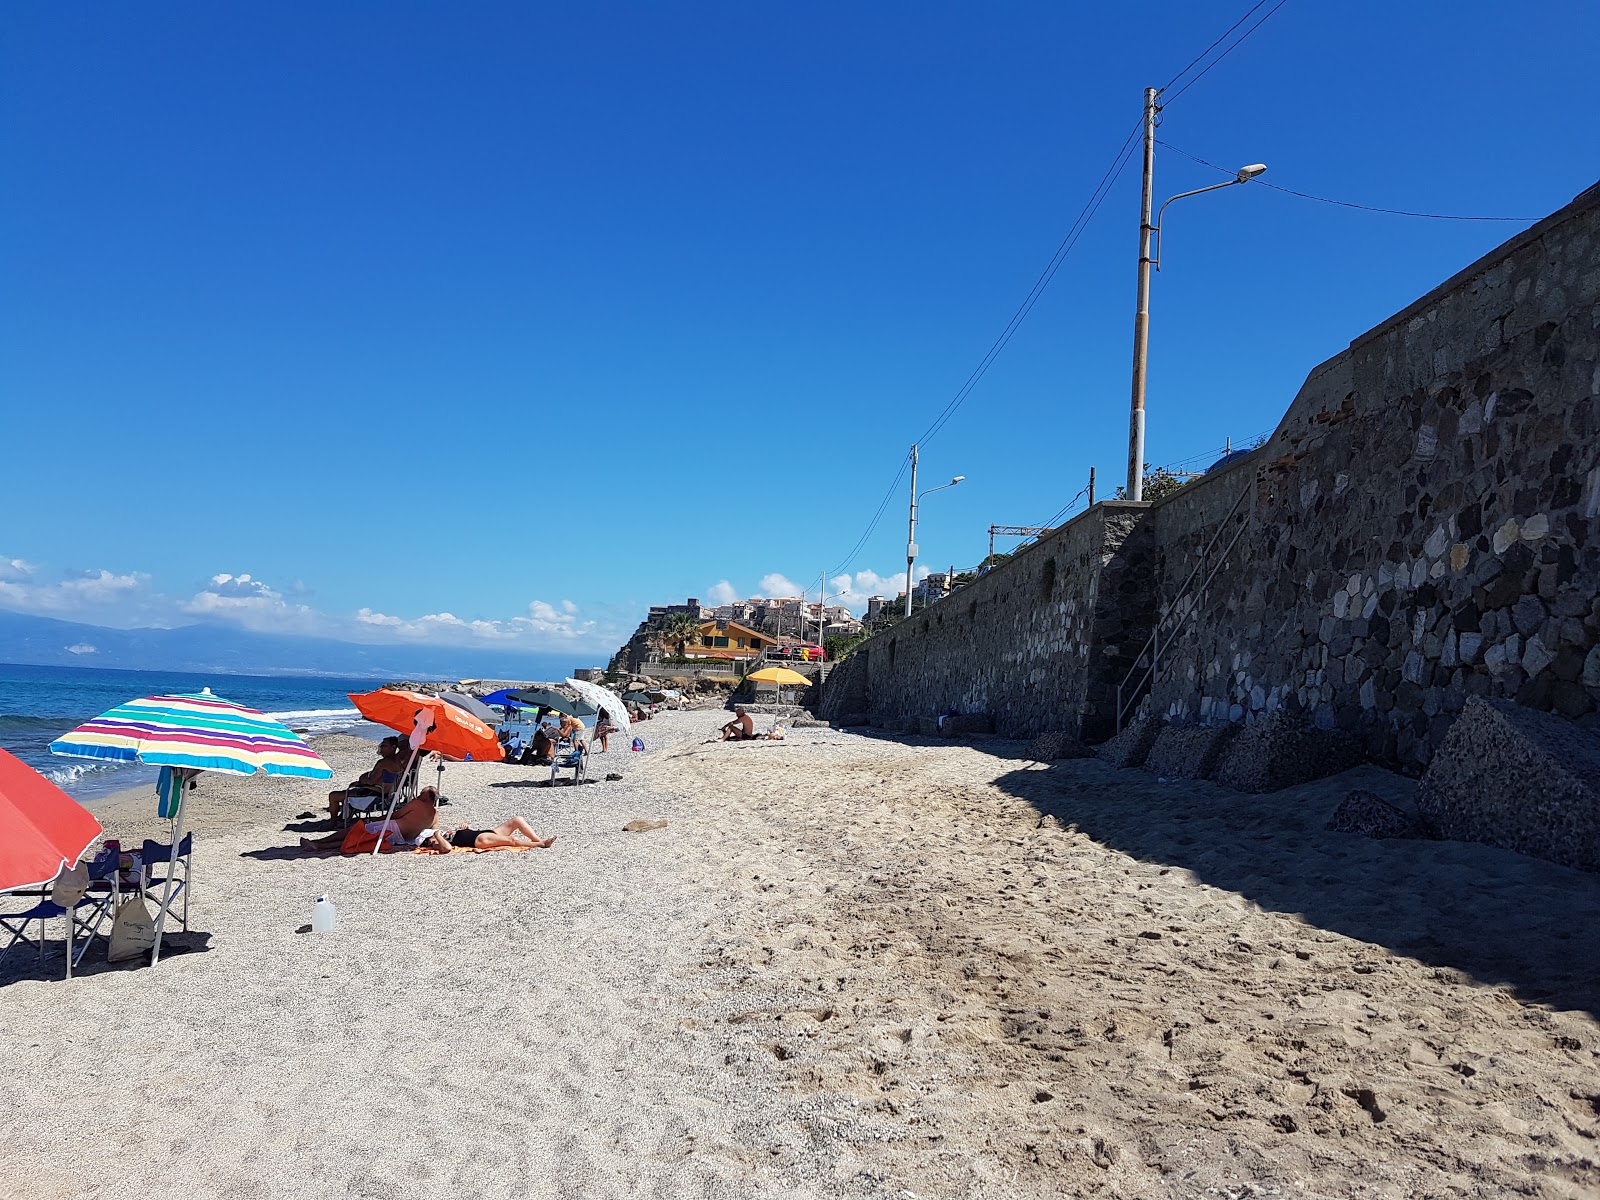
column 1423, row 526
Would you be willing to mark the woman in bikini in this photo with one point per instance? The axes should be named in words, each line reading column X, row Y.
column 504, row 836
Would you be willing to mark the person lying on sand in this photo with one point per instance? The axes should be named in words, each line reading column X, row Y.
column 380, row 780
column 740, row 729
column 401, row 829
column 503, row 836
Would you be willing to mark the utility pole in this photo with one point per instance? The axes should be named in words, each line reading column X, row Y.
column 1141, row 318
column 911, row 529
column 1091, row 487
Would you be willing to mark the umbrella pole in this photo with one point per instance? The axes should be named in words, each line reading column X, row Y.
column 395, row 795
column 180, row 780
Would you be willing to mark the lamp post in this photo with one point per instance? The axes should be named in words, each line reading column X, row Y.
column 911, row 532
column 1141, row 316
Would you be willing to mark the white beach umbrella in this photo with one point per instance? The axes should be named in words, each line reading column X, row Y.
column 605, row 698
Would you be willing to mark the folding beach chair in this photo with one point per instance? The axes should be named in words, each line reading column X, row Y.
column 157, row 857
column 575, row 759
column 86, row 915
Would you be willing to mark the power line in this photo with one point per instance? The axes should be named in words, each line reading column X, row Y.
column 1394, row 212
column 1064, row 509
column 1091, row 206
column 1085, row 215
column 1234, row 46
column 849, row 559
column 1213, row 45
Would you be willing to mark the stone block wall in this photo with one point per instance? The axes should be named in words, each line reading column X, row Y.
column 1423, row 526
column 1032, row 644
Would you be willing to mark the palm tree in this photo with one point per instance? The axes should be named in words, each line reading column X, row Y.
column 679, row 629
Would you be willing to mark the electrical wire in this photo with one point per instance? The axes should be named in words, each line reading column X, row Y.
column 1085, row 215
column 1234, row 46
column 1055, row 517
column 1394, row 212
column 1091, row 206
column 1213, row 45
column 849, row 559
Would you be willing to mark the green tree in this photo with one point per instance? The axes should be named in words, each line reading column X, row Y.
column 1159, row 483
column 676, row 631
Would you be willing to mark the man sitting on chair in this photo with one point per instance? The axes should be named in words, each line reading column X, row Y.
column 381, row 780
column 740, row 729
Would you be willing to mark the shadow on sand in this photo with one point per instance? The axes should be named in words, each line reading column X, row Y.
column 1502, row 918
column 25, row 963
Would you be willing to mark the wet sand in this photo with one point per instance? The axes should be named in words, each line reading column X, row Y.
column 848, row 966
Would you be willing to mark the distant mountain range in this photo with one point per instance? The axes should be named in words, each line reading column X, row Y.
column 44, row 641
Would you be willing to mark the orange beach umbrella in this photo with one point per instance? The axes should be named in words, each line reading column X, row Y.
column 456, row 733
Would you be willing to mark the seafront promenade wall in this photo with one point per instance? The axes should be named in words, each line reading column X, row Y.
column 1423, row 526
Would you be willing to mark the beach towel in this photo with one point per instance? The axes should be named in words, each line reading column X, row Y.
column 468, row 849
column 360, row 839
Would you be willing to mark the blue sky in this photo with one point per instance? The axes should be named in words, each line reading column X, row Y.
column 492, row 324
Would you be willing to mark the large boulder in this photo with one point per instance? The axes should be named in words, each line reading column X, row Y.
column 1188, row 751
column 1284, row 750
column 1523, row 780
column 1370, row 815
column 1048, row 747
column 1129, row 748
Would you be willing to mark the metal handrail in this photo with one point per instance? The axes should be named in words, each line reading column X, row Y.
column 1152, row 644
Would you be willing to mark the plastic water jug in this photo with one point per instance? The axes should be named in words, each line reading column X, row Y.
column 324, row 917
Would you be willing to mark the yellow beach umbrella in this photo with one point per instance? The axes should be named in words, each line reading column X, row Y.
column 782, row 676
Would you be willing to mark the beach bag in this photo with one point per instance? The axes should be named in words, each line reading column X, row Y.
column 638, row 743
column 133, row 931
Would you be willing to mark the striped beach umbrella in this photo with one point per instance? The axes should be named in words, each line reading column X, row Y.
column 200, row 732
column 188, row 734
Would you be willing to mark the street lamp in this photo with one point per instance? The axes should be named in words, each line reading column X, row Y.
column 911, row 531
column 1141, row 318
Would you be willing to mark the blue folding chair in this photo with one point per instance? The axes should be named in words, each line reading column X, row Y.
column 85, row 916
column 157, row 857
column 575, row 759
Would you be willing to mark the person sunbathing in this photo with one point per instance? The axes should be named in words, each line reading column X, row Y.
column 403, row 828
column 503, row 836
column 740, row 729
column 380, row 780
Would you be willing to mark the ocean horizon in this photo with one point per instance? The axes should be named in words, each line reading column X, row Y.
column 40, row 703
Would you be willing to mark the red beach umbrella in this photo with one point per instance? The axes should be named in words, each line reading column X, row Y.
column 42, row 829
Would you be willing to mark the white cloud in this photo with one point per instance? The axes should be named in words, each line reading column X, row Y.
column 721, row 592
column 853, row 591
column 777, row 584
column 82, row 592
column 245, row 600
column 250, row 602
column 544, row 625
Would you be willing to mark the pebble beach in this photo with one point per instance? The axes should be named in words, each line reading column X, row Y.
column 848, row 965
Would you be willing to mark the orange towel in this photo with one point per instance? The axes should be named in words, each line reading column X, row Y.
column 466, row 850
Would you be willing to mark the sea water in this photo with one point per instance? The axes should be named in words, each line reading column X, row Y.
column 39, row 704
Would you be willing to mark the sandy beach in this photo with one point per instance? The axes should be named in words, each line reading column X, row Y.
column 848, row 966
